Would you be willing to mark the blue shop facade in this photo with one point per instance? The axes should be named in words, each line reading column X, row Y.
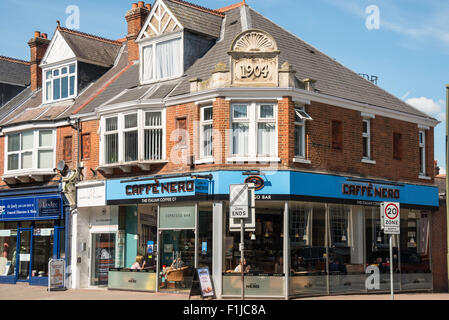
column 308, row 234
column 32, row 231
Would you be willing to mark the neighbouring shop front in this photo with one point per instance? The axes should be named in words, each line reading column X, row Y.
column 32, row 231
column 312, row 234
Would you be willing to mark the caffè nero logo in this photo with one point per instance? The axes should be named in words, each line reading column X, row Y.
column 160, row 188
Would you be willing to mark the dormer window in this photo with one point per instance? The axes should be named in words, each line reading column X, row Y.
column 162, row 59
column 60, row 83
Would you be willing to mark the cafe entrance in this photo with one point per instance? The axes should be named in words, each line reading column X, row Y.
column 177, row 247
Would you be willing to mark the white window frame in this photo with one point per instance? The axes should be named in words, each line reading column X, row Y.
column 203, row 123
column 367, row 136
column 422, row 151
column 253, row 119
column 60, row 76
column 35, row 151
column 141, row 127
column 154, row 42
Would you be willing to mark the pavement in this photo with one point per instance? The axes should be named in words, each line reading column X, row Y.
column 22, row 291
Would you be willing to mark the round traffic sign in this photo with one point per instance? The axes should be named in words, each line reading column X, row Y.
column 391, row 211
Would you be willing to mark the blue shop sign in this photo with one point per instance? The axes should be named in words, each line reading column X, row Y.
column 30, row 208
column 154, row 190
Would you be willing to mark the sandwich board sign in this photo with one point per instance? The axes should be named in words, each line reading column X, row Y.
column 391, row 217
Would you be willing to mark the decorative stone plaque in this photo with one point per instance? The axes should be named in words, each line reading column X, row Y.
column 254, row 59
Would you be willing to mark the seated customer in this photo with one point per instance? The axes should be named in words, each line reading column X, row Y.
column 279, row 265
column 139, row 264
column 239, row 268
column 177, row 263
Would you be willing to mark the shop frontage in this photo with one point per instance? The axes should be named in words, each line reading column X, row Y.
column 32, row 231
column 313, row 234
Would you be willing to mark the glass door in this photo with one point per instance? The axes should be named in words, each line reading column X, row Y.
column 103, row 257
column 177, row 259
column 24, row 258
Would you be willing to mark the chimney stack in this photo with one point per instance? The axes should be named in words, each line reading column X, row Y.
column 38, row 46
column 136, row 18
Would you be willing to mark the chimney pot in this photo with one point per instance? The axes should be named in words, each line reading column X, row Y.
column 141, row 4
column 134, row 6
column 44, row 35
column 37, row 34
column 148, row 6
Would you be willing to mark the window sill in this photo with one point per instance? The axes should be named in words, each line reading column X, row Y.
column 126, row 167
column 424, row 177
column 254, row 159
column 25, row 176
column 205, row 161
column 301, row 160
column 368, row 161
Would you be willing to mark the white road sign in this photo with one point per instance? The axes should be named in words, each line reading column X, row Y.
column 391, row 217
column 239, row 201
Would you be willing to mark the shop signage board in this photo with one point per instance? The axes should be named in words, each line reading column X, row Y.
column 56, row 271
column 30, row 208
column 91, row 195
column 391, row 217
column 154, row 191
column 177, row 217
column 202, row 284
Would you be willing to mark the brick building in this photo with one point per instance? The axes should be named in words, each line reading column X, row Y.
column 194, row 100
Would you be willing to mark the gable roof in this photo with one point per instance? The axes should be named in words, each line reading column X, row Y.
column 14, row 71
column 89, row 48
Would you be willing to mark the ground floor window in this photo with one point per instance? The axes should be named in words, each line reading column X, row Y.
column 8, row 245
column 103, row 245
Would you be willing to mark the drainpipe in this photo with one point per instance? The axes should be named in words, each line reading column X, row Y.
column 447, row 181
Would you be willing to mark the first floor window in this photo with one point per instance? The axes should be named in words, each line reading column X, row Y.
column 129, row 138
column 366, row 139
column 422, row 152
column 254, row 130
column 300, row 132
column 60, row 83
column 206, row 150
column 32, row 149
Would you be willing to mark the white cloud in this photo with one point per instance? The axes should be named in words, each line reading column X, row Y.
column 429, row 106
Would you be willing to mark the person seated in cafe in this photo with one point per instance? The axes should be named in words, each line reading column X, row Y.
column 336, row 266
column 177, row 263
column 279, row 265
column 139, row 264
column 239, row 268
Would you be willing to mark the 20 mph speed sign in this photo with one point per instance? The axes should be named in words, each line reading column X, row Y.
column 391, row 217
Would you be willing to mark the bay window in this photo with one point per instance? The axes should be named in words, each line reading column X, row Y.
column 254, row 130
column 131, row 137
column 206, row 129
column 33, row 149
column 162, row 60
column 60, row 83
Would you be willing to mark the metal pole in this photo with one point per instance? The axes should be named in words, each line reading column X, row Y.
column 242, row 242
column 391, row 267
column 447, row 166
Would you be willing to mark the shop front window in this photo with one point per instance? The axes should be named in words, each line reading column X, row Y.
column 8, row 243
column 263, row 262
column 104, row 257
column 148, row 235
column 415, row 250
column 205, row 236
column 42, row 248
column 307, row 248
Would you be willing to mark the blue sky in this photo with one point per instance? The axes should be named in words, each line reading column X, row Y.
column 409, row 52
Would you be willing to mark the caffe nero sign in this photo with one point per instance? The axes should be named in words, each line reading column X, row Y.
column 30, row 208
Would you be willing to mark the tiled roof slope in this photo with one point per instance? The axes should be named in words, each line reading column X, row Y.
column 332, row 77
column 15, row 72
column 197, row 19
column 91, row 49
column 30, row 107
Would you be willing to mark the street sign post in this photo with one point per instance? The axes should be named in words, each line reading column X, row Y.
column 241, row 201
column 390, row 219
